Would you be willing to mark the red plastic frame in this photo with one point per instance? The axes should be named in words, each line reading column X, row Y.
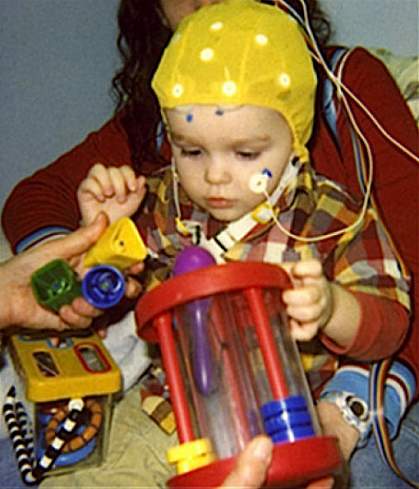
column 293, row 465
column 202, row 283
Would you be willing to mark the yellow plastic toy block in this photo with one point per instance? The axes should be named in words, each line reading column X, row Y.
column 120, row 245
column 78, row 366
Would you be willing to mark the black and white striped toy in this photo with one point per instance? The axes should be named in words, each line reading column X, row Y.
column 18, row 423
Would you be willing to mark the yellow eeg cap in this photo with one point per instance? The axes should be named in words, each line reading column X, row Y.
column 241, row 52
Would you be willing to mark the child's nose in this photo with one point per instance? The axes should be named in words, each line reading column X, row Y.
column 217, row 172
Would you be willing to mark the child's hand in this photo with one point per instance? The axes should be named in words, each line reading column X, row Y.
column 116, row 191
column 310, row 303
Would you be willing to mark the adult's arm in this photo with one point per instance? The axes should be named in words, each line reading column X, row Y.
column 396, row 176
column 44, row 204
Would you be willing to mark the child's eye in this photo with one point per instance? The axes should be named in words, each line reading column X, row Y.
column 190, row 153
column 248, row 155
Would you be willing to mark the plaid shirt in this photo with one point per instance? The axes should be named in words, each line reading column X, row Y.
column 362, row 259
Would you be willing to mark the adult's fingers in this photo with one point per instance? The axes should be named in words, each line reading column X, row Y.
column 79, row 241
column 252, row 465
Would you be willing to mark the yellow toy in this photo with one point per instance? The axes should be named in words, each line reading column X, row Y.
column 70, row 387
column 120, row 246
column 191, row 455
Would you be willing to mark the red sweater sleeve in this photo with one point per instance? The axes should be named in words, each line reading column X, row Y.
column 48, row 197
column 380, row 318
column 396, row 176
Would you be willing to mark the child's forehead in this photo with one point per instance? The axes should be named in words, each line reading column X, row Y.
column 239, row 122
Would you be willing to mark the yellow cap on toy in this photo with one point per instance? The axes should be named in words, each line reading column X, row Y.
column 191, row 455
column 241, row 52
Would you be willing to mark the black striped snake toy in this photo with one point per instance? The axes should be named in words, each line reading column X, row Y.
column 16, row 420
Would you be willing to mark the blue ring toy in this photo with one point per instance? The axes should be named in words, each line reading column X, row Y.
column 103, row 286
column 287, row 419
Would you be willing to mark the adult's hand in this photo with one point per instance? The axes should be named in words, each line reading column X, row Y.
column 17, row 303
column 252, row 465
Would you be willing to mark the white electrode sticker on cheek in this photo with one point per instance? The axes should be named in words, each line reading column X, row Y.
column 258, row 183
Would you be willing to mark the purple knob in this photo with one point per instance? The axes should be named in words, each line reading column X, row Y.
column 192, row 258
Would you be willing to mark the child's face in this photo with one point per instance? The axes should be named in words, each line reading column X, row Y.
column 216, row 155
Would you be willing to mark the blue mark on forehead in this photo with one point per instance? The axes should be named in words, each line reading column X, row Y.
column 189, row 117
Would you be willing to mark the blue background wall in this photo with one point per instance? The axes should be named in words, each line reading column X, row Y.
column 57, row 58
column 392, row 24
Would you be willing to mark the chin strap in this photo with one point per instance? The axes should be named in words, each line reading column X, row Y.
column 235, row 231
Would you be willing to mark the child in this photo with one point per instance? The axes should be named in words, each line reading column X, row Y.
column 237, row 87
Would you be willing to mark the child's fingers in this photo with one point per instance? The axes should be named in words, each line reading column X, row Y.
column 308, row 313
column 97, row 170
column 125, row 181
column 309, row 303
column 130, row 178
column 305, row 314
column 100, row 173
column 91, row 186
column 303, row 332
column 118, row 184
column 301, row 296
column 307, row 268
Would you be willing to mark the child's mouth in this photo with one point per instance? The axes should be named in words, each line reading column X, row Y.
column 219, row 203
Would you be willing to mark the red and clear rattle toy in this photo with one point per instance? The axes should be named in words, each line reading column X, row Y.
column 233, row 372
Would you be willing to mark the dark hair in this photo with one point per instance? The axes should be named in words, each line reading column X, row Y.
column 141, row 41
